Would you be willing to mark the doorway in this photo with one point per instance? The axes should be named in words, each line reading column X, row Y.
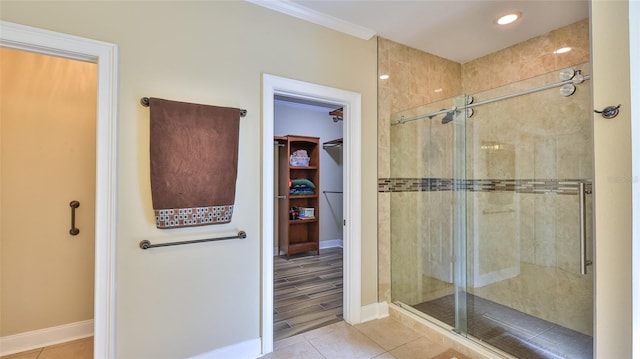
column 308, row 275
column 48, row 197
column 351, row 103
column 36, row 40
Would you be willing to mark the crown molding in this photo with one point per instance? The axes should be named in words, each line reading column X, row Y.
column 292, row 9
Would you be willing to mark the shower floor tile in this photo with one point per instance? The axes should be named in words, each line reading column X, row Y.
column 512, row 331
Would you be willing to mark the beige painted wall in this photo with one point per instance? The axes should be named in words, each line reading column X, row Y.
column 612, row 164
column 187, row 300
column 48, row 113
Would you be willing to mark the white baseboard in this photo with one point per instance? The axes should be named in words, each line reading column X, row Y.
column 249, row 349
column 374, row 311
column 331, row 243
column 44, row 337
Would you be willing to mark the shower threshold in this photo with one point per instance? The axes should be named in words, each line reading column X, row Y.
column 519, row 334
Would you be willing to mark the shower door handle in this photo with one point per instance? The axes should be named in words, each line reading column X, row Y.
column 584, row 262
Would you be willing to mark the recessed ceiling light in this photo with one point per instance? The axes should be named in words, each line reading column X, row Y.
column 439, row 89
column 384, row 77
column 508, row 18
column 562, row 50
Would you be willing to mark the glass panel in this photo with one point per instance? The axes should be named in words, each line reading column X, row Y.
column 422, row 209
column 428, row 211
column 526, row 157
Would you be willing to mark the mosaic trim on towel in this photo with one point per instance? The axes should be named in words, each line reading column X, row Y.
column 191, row 217
column 544, row 186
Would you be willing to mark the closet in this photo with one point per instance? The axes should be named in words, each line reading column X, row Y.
column 298, row 188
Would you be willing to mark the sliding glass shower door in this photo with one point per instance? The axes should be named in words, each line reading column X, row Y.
column 491, row 215
column 529, row 170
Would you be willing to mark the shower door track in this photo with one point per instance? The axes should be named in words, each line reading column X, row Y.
column 578, row 79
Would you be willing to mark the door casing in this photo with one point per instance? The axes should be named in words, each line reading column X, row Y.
column 351, row 102
column 105, row 55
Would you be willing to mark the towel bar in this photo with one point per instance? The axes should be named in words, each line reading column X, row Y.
column 145, row 102
column 147, row 244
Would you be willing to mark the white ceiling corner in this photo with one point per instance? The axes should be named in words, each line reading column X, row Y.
column 292, row 9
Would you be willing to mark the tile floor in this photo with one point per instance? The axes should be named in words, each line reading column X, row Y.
column 77, row 349
column 381, row 339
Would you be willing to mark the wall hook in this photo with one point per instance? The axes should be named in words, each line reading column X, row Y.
column 609, row 111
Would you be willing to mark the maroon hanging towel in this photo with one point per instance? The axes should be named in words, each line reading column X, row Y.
column 194, row 163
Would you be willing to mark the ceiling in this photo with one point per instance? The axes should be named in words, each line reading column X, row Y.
column 458, row 30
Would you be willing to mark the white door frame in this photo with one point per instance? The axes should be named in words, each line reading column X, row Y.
column 351, row 102
column 634, row 49
column 105, row 55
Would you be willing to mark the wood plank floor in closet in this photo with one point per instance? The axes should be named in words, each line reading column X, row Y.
column 307, row 292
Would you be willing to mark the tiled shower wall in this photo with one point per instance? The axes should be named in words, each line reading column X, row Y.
column 414, row 78
column 522, row 228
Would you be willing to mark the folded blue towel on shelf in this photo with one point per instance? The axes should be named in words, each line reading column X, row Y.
column 302, row 182
column 301, row 191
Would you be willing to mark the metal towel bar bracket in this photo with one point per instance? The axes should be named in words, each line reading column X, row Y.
column 145, row 102
column 609, row 111
column 147, row 244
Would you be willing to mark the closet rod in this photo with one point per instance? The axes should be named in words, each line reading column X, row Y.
column 147, row 244
column 145, row 102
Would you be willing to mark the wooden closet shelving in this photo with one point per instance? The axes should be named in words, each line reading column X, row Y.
column 333, row 143
column 298, row 235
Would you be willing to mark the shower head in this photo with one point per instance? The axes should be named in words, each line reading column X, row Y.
column 448, row 117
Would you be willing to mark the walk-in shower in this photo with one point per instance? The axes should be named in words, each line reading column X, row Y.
column 490, row 206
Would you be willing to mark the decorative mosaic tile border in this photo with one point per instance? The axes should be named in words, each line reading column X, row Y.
column 545, row 186
column 190, row 217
